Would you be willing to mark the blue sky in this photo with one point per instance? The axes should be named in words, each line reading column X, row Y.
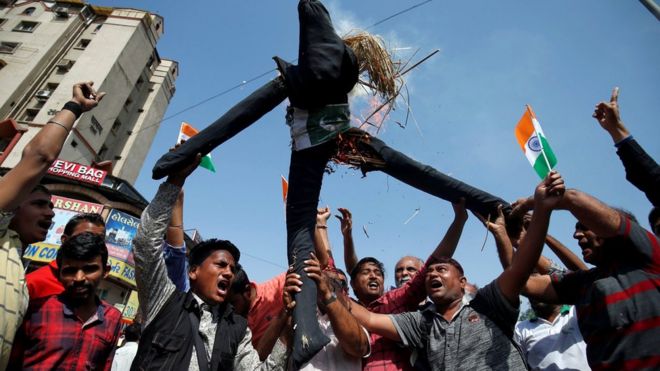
column 562, row 57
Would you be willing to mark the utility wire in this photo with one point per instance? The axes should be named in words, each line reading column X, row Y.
column 245, row 82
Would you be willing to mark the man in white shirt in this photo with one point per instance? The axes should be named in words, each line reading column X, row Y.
column 552, row 340
column 124, row 355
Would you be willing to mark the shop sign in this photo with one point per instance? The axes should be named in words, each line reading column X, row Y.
column 76, row 171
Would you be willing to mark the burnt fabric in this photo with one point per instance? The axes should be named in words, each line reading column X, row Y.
column 239, row 117
column 429, row 180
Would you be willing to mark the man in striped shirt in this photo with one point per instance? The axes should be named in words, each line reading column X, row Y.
column 618, row 301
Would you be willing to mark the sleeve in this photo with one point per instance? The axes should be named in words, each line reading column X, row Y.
column 177, row 265
column 247, row 357
column 411, row 329
column 408, row 296
column 518, row 336
column 568, row 285
column 642, row 241
column 641, row 170
column 154, row 286
column 501, row 311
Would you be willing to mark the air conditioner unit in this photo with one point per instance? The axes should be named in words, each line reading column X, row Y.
column 43, row 94
column 65, row 64
column 61, row 11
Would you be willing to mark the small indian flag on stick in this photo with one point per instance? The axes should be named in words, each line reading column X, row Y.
column 186, row 132
column 534, row 143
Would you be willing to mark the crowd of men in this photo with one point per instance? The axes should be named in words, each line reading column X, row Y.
column 200, row 311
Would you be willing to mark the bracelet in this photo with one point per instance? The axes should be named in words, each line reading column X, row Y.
column 329, row 301
column 74, row 107
column 58, row 124
column 175, row 226
column 321, row 226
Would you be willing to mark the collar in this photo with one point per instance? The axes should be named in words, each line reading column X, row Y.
column 430, row 309
column 69, row 312
column 564, row 310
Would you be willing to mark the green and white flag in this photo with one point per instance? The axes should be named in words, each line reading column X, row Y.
column 186, row 132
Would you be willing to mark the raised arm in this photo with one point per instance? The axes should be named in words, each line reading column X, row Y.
column 570, row 260
column 641, row 169
column 174, row 247
column 154, row 286
column 502, row 241
column 447, row 245
column 44, row 148
column 350, row 257
column 547, row 196
column 350, row 335
column 321, row 241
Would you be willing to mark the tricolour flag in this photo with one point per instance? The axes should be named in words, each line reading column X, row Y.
column 186, row 132
column 534, row 143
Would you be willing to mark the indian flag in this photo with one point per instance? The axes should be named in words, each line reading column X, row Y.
column 186, row 132
column 534, row 143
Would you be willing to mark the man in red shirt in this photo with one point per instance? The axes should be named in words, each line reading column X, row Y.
column 74, row 329
column 44, row 281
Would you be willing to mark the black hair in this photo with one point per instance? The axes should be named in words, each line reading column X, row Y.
column 363, row 261
column 653, row 216
column 41, row 188
column 132, row 332
column 204, row 249
column 448, row 260
column 85, row 246
column 240, row 283
column 93, row 218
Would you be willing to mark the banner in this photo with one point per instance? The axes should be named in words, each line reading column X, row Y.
column 120, row 228
column 65, row 208
column 122, row 270
column 130, row 310
column 76, row 171
column 41, row 252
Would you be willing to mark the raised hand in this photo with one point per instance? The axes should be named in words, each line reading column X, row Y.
column 346, row 220
column 85, row 95
column 549, row 192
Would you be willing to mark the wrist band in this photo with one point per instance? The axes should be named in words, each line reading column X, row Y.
column 175, row 226
column 58, row 124
column 74, row 107
column 330, row 300
column 321, row 226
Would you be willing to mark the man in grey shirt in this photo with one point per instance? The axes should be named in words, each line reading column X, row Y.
column 452, row 334
column 178, row 326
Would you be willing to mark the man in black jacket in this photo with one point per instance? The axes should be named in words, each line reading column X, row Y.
column 197, row 330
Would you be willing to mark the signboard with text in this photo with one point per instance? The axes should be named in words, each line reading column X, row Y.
column 76, row 171
column 65, row 208
column 120, row 229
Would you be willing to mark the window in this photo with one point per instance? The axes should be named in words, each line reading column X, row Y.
column 2, row 64
column 29, row 11
column 30, row 114
column 8, row 47
column 74, row 144
column 82, row 44
column 103, row 151
column 97, row 28
column 61, row 12
column 25, row 26
column 96, row 126
column 2, row 21
column 115, row 126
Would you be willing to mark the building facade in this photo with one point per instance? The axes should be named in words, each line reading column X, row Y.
column 47, row 46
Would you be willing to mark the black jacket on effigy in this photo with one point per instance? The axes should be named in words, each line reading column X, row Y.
column 167, row 343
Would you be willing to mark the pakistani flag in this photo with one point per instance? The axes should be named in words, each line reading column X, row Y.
column 185, row 133
column 534, row 143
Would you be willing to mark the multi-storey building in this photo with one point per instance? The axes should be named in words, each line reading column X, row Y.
column 46, row 47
